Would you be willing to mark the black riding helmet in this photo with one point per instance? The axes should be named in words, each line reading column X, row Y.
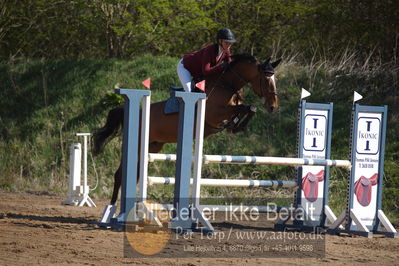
column 225, row 34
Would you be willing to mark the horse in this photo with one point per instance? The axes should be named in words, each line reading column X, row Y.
column 225, row 107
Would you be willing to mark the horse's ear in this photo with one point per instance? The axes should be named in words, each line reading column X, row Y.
column 275, row 64
column 267, row 61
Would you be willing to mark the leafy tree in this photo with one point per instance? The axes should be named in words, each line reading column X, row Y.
column 318, row 29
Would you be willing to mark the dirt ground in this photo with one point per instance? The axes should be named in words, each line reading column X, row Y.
column 36, row 229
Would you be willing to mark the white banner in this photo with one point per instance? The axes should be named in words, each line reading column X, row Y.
column 314, row 147
column 367, row 152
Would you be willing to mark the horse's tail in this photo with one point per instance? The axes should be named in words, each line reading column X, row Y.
column 103, row 135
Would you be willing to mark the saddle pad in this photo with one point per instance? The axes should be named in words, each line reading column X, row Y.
column 171, row 106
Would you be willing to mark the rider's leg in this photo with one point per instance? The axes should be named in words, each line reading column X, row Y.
column 184, row 76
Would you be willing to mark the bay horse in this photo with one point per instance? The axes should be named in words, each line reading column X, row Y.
column 224, row 107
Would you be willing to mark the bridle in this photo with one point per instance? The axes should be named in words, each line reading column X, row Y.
column 267, row 69
column 261, row 69
column 269, row 93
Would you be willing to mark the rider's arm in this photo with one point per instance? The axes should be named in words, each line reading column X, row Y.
column 209, row 55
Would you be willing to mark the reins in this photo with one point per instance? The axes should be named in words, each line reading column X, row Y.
column 219, row 77
column 235, row 91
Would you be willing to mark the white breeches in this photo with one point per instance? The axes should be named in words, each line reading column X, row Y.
column 184, row 76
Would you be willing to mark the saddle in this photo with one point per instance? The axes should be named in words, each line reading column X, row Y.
column 310, row 185
column 172, row 104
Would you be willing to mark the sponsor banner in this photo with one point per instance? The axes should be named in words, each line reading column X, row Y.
column 315, row 133
column 366, row 167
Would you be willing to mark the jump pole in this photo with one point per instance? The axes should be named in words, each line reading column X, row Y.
column 260, row 160
column 152, row 180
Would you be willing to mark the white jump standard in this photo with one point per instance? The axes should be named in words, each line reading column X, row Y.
column 78, row 194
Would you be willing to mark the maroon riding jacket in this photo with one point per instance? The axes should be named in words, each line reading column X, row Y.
column 202, row 63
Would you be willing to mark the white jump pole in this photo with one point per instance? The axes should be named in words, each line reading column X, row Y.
column 231, row 159
column 228, row 159
column 152, row 180
column 156, row 157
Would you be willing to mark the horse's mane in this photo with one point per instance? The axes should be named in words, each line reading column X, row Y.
column 242, row 57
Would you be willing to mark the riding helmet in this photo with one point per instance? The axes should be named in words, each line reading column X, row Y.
column 225, row 34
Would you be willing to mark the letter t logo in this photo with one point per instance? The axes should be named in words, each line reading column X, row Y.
column 367, row 141
column 368, row 125
column 315, row 127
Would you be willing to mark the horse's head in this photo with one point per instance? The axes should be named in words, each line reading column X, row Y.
column 264, row 84
column 260, row 76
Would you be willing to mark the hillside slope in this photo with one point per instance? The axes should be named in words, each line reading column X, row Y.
column 44, row 103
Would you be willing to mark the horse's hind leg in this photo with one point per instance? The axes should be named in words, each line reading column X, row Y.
column 154, row 147
column 117, row 184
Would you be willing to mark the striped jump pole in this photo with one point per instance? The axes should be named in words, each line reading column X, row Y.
column 209, row 182
column 234, row 159
column 229, row 159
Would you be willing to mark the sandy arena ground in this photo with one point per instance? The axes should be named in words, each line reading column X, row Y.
column 36, row 229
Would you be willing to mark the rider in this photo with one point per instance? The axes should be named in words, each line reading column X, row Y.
column 209, row 60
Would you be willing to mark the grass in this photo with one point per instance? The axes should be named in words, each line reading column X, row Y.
column 44, row 103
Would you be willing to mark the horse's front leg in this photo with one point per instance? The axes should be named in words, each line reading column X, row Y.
column 241, row 126
column 236, row 113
